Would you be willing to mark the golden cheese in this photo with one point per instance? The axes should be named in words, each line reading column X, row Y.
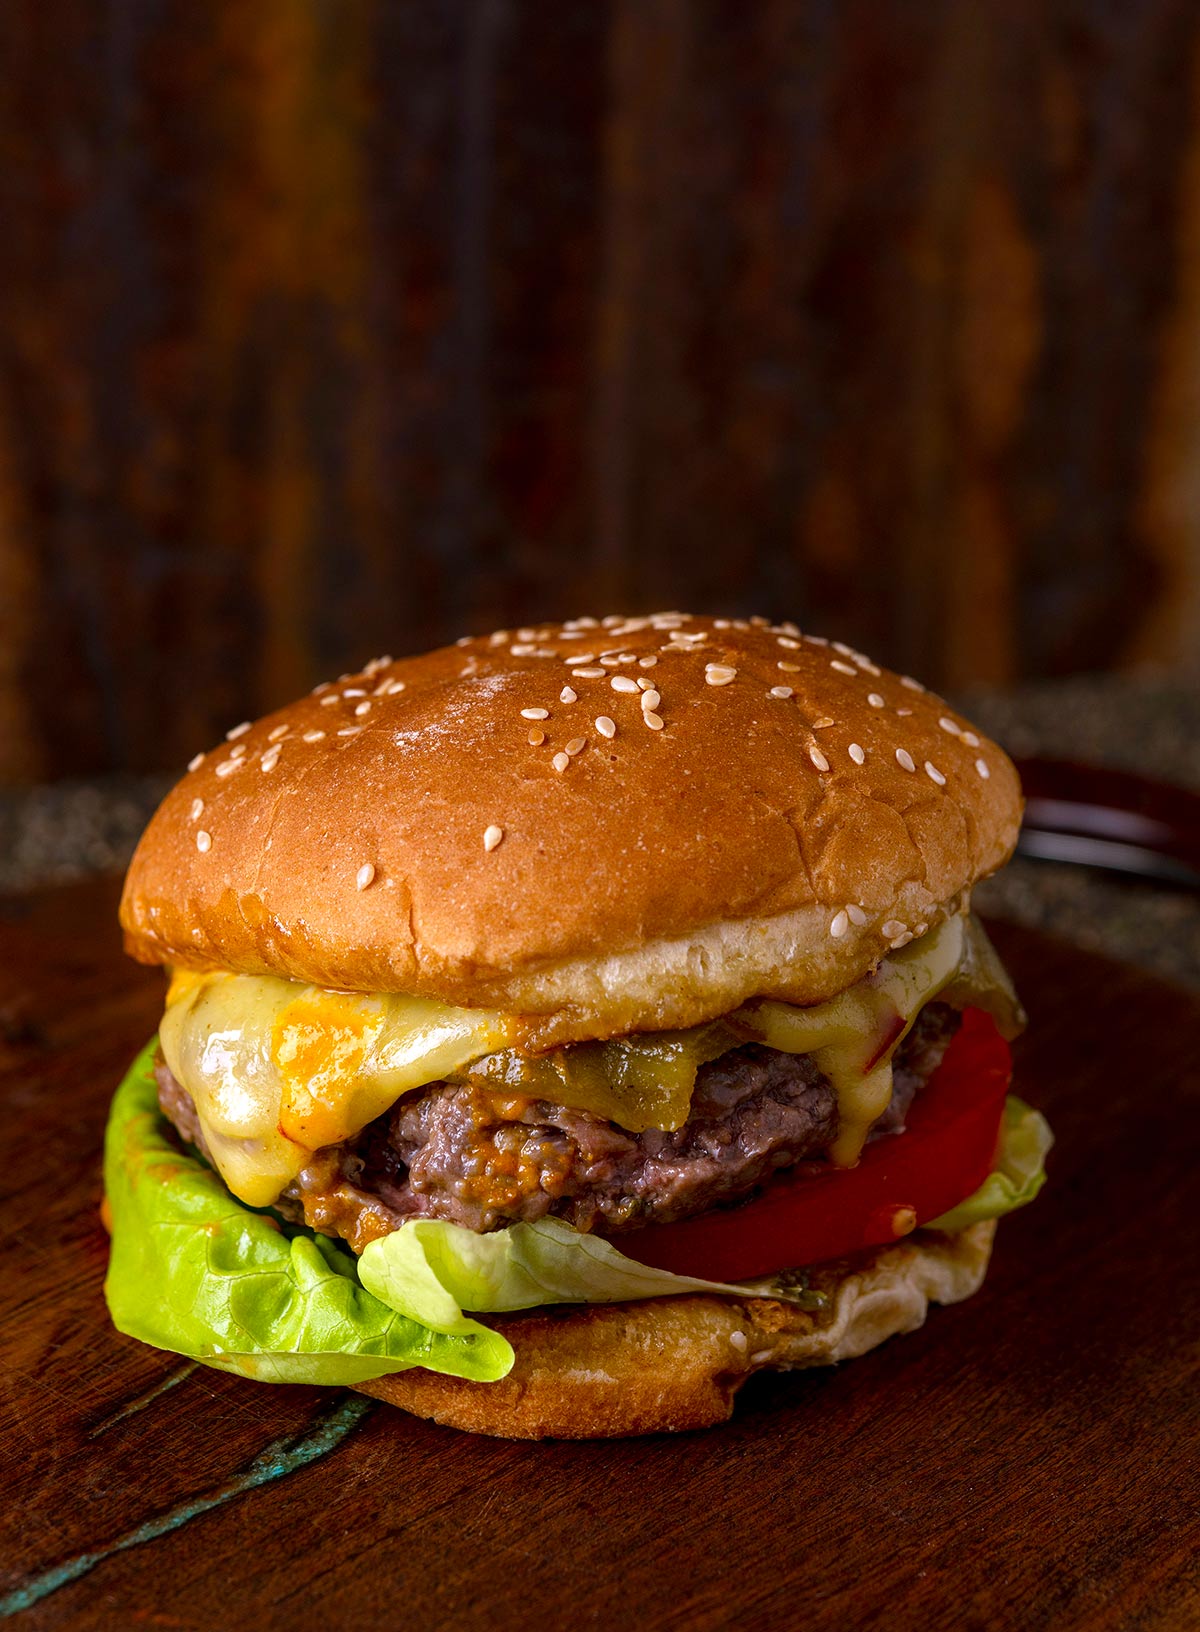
column 277, row 1070
column 853, row 1036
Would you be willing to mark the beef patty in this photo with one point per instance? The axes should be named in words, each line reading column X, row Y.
column 486, row 1158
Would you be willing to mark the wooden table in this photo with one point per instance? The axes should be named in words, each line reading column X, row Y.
column 1029, row 1459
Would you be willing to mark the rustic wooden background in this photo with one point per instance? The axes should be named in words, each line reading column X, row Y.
column 330, row 328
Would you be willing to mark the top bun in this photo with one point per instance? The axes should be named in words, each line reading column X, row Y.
column 618, row 825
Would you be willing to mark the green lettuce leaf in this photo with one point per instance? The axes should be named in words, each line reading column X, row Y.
column 195, row 1271
column 1019, row 1174
column 432, row 1270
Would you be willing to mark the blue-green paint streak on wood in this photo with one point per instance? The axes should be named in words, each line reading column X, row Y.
column 279, row 1458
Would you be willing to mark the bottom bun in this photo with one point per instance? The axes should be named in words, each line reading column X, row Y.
column 665, row 1365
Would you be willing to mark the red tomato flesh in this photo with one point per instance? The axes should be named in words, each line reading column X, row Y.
column 942, row 1157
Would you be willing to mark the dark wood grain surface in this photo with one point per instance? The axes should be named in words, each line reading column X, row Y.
column 337, row 329
column 1028, row 1459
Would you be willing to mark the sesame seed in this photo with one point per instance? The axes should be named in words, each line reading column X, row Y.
column 606, row 727
column 892, row 928
column 492, row 836
column 269, row 760
column 857, row 753
column 328, row 701
column 839, row 924
column 651, row 698
column 645, row 683
column 692, row 639
column 903, row 713
column 197, row 807
column 354, row 691
column 227, row 767
column 913, row 685
column 790, row 668
column 622, row 682
column 844, row 668
column 780, row 691
column 971, row 740
column 719, row 674
column 739, row 1341
column 363, row 708
column 821, row 723
column 920, row 929
column 576, row 746
column 195, row 762
column 314, row 736
column 364, row 876
column 238, row 753
column 611, row 660
column 580, row 657
column 561, row 761
column 856, row 914
column 875, row 700
column 394, row 687
column 816, row 640
column 238, row 731
column 590, row 674
column 949, row 725
column 818, row 758
column 934, row 774
column 350, row 731
column 522, row 651
column 653, row 720
column 786, row 640
column 760, row 1358
column 840, row 646
column 901, row 940
column 535, row 713
column 865, row 664
column 566, row 695
column 536, row 738
column 317, row 690
column 203, row 842
column 905, row 760
column 647, row 662
column 981, row 765
column 278, row 734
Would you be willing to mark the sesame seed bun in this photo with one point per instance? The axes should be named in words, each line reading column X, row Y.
column 634, row 824
column 673, row 1364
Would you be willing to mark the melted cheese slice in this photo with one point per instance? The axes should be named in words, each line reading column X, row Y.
column 277, row 1070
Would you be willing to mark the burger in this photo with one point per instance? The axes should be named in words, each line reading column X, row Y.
column 569, row 1023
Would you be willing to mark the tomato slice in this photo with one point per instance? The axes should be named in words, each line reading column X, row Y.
column 944, row 1154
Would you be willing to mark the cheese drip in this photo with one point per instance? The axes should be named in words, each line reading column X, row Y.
column 854, row 1036
column 277, row 1070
